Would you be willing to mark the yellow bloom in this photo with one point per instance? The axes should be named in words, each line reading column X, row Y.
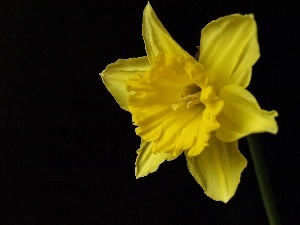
column 196, row 106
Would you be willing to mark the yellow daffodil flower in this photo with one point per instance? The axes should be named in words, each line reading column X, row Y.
column 196, row 106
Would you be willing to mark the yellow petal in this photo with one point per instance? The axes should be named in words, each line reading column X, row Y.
column 156, row 37
column 218, row 169
column 241, row 115
column 228, row 50
column 116, row 74
column 147, row 162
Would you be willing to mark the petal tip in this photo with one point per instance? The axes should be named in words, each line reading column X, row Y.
column 148, row 8
column 138, row 174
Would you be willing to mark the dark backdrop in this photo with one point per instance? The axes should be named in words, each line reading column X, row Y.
column 68, row 151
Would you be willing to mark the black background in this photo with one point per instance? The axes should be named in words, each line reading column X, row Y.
column 68, row 151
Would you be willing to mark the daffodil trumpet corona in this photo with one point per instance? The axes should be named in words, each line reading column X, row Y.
column 199, row 105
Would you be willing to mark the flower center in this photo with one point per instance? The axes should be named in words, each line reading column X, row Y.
column 191, row 100
column 178, row 83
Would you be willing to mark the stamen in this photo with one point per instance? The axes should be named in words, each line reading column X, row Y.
column 192, row 100
column 191, row 103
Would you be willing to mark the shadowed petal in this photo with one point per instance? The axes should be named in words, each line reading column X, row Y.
column 241, row 115
column 147, row 162
column 218, row 169
column 116, row 74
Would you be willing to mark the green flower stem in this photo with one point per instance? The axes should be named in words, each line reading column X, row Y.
column 263, row 180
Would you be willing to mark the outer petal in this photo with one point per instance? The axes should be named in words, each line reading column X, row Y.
column 228, row 50
column 156, row 37
column 242, row 115
column 147, row 162
column 218, row 169
column 116, row 74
